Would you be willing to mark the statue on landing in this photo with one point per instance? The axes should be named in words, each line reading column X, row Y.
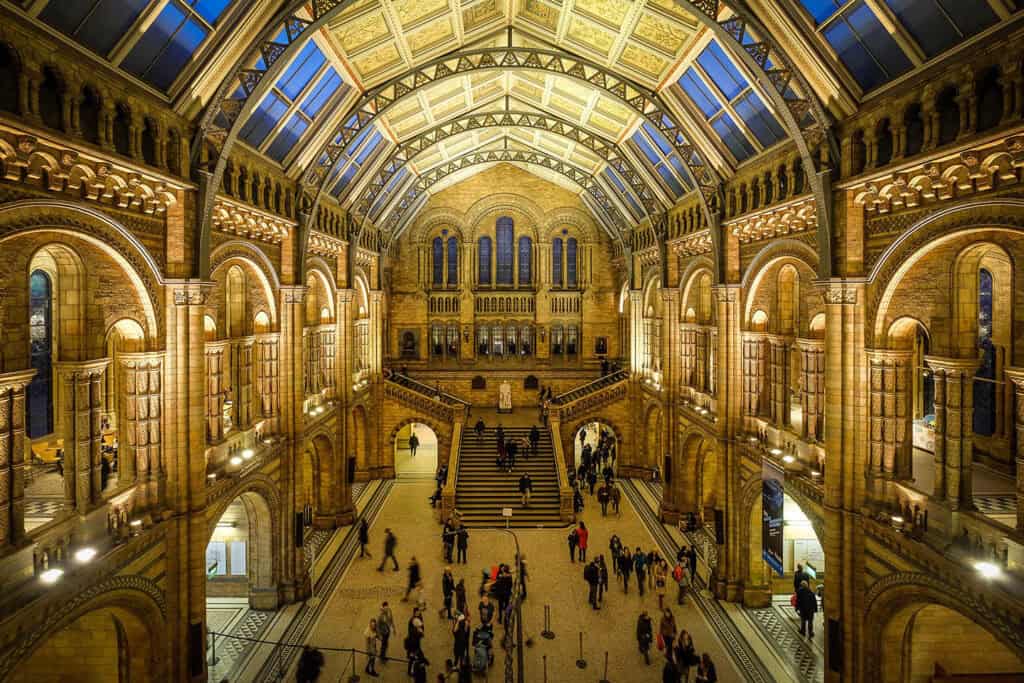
column 505, row 397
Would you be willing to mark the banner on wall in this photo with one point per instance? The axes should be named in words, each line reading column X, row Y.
column 772, row 502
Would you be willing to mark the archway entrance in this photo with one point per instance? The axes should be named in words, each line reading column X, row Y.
column 597, row 441
column 105, row 645
column 923, row 641
column 423, row 463
column 239, row 574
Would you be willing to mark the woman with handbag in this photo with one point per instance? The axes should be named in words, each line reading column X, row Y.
column 685, row 654
column 667, row 631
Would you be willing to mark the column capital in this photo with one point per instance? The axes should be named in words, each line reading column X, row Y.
column 669, row 294
column 345, row 296
column 293, row 294
column 953, row 366
column 16, row 380
column 810, row 344
column 726, row 293
column 889, row 355
column 840, row 291
column 189, row 292
column 85, row 369
column 1015, row 375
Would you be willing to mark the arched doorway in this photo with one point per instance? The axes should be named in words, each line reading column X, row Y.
column 422, row 464
column 359, row 446
column 597, row 439
column 922, row 640
column 112, row 643
column 240, row 570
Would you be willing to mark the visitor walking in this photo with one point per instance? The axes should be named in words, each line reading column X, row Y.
column 616, row 496
column 625, row 569
column 706, row 670
column 644, row 635
column 485, row 610
column 534, row 439
column 615, row 548
column 460, row 597
column 372, row 645
column 311, row 661
column 640, row 565
column 681, row 575
column 414, row 443
column 685, row 654
column 364, row 538
column 603, row 497
column 525, row 489
column 574, row 541
column 389, row 550
column 602, row 584
column 659, row 582
column 460, row 648
column 592, row 577
column 666, row 631
column 414, row 578
column 479, row 429
column 806, row 607
column 583, row 536
column 461, row 543
column 414, row 639
column 448, row 590
column 385, row 627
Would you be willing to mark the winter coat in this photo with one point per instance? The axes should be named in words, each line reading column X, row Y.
column 806, row 602
column 644, row 632
column 583, row 535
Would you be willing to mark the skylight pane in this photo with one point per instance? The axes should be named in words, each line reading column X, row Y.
column 721, row 70
column 677, row 164
column 646, row 148
column 759, row 120
column 658, row 139
column 97, row 25
column 822, row 9
column 345, row 179
column 263, row 120
column 301, row 71
column 369, row 148
column 318, row 97
column 670, row 180
column 287, row 137
column 939, row 25
column 612, row 176
column 732, row 137
column 693, row 86
column 970, row 17
column 177, row 54
column 210, row 10
column 155, row 40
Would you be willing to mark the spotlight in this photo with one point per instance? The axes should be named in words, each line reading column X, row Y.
column 788, row 459
column 776, row 451
column 211, row 476
column 815, row 473
column 51, row 576
column 247, row 454
column 988, row 570
column 135, row 523
column 235, row 461
column 84, row 555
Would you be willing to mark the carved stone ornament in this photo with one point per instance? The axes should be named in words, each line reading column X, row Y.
column 834, row 294
column 189, row 296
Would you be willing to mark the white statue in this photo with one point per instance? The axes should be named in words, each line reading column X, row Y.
column 505, row 396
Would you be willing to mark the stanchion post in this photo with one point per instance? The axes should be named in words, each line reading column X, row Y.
column 581, row 663
column 354, row 678
column 604, row 679
column 545, row 669
column 547, row 632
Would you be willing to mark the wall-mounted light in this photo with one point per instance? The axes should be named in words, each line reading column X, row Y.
column 988, row 570
column 226, row 525
column 788, row 459
column 211, row 476
column 83, row 555
column 235, row 461
column 51, row 576
column 776, row 452
column 247, row 454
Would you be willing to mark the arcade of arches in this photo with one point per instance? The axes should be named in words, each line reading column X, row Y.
column 759, row 259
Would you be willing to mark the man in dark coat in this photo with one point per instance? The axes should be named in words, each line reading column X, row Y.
column 311, row 661
column 461, row 544
column 591, row 574
column 806, row 606
column 534, row 439
column 364, row 538
column 389, row 550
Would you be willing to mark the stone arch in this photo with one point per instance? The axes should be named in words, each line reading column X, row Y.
column 893, row 601
column 70, row 220
column 360, row 442
column 134, row 602
column 319, row 296
column 756, row 576
column 254, row 262
column 572, row 217
column 500, row 203
column 320, row 473
column 692, row 295
column 759, row 292
column 699, row 480
column 654, row 428
column 266, row 534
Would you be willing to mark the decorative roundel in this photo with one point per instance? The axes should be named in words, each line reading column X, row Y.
column 445, row 231
column 565, row 231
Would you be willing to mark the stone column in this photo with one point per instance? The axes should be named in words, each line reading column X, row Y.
column 242, row 350
column 294, row 580
column 1016, row 376
column 754, row 373
column 890, row 432
column 778, row 390
column 343, row 372
column 670, row 388
column 636, row 323
column 328, row 352
column 688, row 355
column 953, row 427
column 140, row 454
column 812, row 388
column 268, row 369
column 12, row 458
column 216, row 390
column 728, row 575
column 83, row 405
column 701, row 360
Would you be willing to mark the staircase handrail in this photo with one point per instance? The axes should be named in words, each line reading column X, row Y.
column 605, row 381
column 426, row 389
column 565, row 493
column 448, row 490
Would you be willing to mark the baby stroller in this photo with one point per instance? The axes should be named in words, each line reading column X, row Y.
column 483, row 638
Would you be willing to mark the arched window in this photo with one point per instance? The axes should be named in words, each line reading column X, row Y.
column 984, row 383
column 436, row 341
column 556, row 262
column 438, row 262
column 484, row 254
column 570, row 262
column 525, row 260
column 483, row 340
column 557, row 340
column 572, row 340
column 40, row 321
column 453, row 261
column 505, row 235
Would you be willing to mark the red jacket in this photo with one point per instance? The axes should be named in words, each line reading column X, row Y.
column 583, row 535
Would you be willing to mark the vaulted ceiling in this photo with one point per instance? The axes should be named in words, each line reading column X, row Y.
column 634, row 104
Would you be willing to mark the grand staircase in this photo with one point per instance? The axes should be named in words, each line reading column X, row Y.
column 482, row 490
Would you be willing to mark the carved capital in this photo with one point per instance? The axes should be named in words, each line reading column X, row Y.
column 953, row 367
column 293, row 294
column 839, row 294
column 726, row 293
column 191, row 294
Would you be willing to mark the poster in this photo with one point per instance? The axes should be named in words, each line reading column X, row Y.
column 772, row 497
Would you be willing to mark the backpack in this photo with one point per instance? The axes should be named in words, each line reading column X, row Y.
column 677, row 573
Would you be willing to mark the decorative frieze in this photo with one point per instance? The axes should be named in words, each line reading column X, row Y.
column 795, row 216
column 244, row 220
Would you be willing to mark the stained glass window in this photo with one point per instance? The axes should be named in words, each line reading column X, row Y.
column 453, row 261
column 525, row 260
column 484, row 254
column 505, row 234
column 40, row 389
column 984, row 383
column 438, row 262
column 570, row 262
column 556, row 262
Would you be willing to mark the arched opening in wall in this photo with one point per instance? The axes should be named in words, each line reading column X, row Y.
column 595, row 448
column 240, row 567
column 126, row 336
column 922, row 642
column 235, row 302
column 261, row 323
column 416, row 455
column 9, row 69
column 51, row 91
column 316, row 487
column 104, row 645
column 759, row 321
column 209, row 328
column 358, row 462
column 89, row 115
column 909, row 336
column 653, row 453
column 122, row 130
